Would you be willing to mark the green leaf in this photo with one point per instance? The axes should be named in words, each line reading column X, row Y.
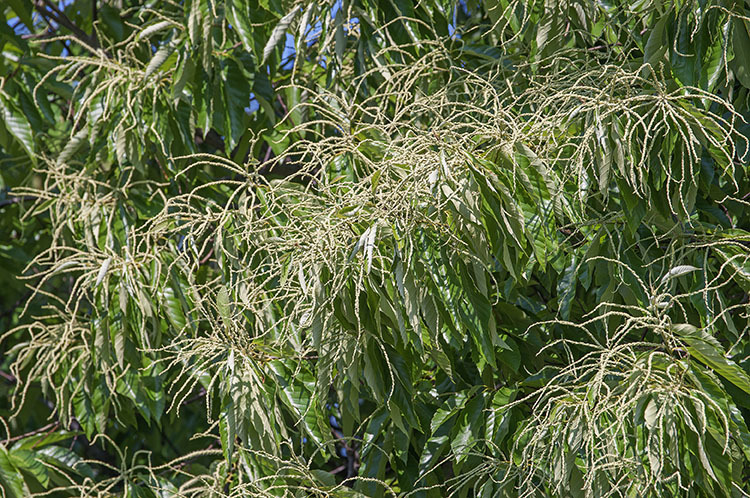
column 241, row 23
column 223, row 305
column 566, row 288
column 10, row 478
column 684, row 56
column 152, row 29
column 279, row 33
column 707, row 349
column 497, row 421
column 23, row 9
column 228, row 431
column 339, row 37
column 713, row 63
column 102, row 271
column 548, row 28
column 159, row 58
column 656, row 46
column 28, row 462
column 296, row 392
column 738, row 261
column 17, row 124
column 237, row 94
column 468, row 427
column 77, row 141
column 39, row 441
column 118, row 340
column 741, row 45
column 678, row 271
column 173, row 308
column 112, row 18
column 65, row 460
column 650, row 415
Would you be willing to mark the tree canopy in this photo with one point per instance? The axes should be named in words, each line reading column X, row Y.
column 374, row 248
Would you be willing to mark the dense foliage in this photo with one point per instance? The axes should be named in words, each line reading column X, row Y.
column 374, row 247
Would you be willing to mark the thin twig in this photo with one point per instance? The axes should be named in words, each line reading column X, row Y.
column 47, row 427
